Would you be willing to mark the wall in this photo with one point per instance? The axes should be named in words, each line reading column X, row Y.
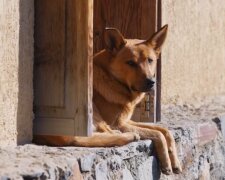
column 193, row 59
column 16, row 62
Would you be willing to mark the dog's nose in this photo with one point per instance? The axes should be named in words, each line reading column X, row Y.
column 150, row 82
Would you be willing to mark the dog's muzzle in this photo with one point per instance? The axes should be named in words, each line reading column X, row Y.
column 149, row 84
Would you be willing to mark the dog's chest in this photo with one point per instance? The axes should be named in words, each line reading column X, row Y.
column 113, row 113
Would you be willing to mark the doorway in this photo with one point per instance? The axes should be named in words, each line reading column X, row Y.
column 67, row 33
column 136, row 19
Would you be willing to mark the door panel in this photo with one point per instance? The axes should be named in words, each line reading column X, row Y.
column 50, row 53
column 63, row 67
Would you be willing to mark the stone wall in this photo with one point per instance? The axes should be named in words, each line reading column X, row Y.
column 16, row 62
column 193, row 59
column 201, row 160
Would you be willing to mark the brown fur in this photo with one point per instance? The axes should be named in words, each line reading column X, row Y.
column 122, row 73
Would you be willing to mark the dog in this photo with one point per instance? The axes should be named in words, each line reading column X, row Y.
column 122, row 73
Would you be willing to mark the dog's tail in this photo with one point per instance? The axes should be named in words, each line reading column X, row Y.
column 97, row 140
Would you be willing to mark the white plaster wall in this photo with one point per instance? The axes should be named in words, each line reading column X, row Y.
column 16, row 62
column 193, row 59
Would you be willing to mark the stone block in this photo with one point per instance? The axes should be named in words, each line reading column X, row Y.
column 149, row 169
column 127, row 175
column 87, row 162
column 206, row 132
column 101, row 171
column 76, row 172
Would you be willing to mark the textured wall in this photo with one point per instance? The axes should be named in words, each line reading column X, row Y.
column 193, row 59
column 16, row 61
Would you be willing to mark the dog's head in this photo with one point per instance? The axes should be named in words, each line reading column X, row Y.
column 133, row 62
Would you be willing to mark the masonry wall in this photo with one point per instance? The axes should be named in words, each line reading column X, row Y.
column 16, row 62
column 193, row 59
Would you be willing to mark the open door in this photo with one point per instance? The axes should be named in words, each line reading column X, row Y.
column 136, row 19
column 63, row 67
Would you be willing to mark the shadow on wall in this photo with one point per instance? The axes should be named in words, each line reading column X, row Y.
column 25, row 72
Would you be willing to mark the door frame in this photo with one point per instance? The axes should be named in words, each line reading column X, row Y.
column 158, row 69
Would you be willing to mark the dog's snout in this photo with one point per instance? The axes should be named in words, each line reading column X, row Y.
column 150, row 82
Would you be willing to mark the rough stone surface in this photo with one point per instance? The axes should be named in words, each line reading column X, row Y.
column 41, row 162
column 199, row 160
column 201, row 147
column 16, row 66
column 148, row 170
column 221, row 124
column 135, row 161
column 200, row 110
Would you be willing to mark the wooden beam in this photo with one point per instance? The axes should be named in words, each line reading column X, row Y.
column 83, row 64
column 158, row 71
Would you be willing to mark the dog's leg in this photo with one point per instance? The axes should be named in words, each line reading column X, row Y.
column 99, row 124
column 159, row 141
column 97, row 140
column 170, row 143
column 104, row 127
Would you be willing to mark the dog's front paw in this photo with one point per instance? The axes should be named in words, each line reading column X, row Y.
column 116, row 132
column 136, row 137
column 166, row 171
column 176, row 166
column 177, row 169
column 166, row 167
column 133, row 136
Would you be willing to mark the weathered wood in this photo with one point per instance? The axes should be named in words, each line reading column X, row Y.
column 63, row 66
column 49, row 53
column 136, row 19
column 83, row 65
column 158, row 71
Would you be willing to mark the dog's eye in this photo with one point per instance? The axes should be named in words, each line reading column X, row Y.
column 131, row 63
column 150, row 60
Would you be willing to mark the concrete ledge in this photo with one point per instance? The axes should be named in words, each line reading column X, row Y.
column 200, row 148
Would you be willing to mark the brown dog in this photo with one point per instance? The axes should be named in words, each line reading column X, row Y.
column 123, row 72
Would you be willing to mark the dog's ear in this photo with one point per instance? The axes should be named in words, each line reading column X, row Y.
column 114, row 40
column 157, row 39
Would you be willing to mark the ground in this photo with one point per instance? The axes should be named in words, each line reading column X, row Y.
column 204, row 109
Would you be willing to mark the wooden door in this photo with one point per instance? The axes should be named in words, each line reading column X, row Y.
column 63, row 67
column 136, row 19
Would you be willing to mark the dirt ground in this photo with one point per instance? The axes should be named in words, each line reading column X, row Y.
column 200, row 110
